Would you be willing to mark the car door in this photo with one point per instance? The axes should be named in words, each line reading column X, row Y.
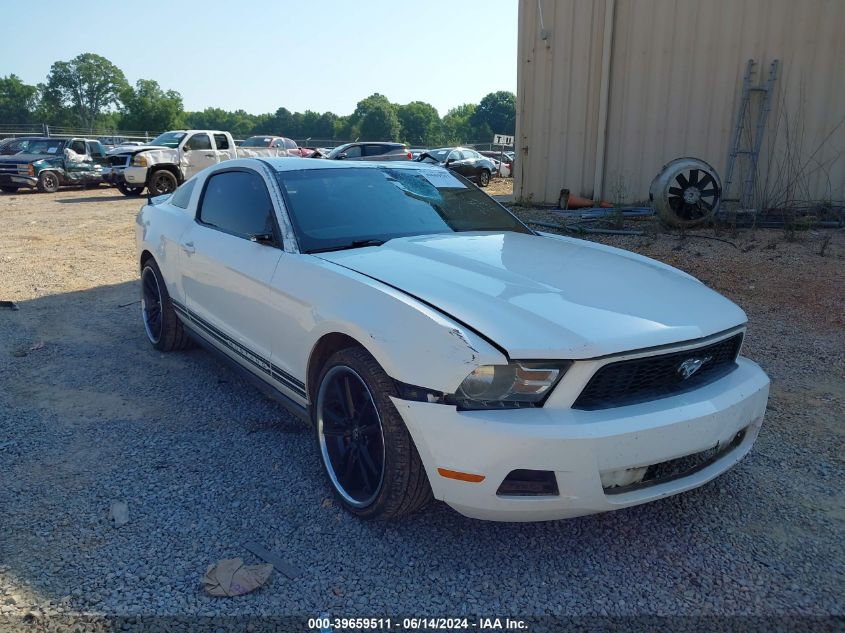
column 457, row 163
column 229, row 254
column 222, row 148
column 78, row 164
column 198, row 153
column 97, row 152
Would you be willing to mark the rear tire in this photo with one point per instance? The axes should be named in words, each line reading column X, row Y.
column 162, row 182
column 355, row 419
column 9, row 189
column 127, row 190
column 161, row 323
column 48, row 182
column 484, row 178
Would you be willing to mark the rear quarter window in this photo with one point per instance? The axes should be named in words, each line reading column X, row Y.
column 182, row 196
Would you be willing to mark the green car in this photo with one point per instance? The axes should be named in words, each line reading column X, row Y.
column 49, row 163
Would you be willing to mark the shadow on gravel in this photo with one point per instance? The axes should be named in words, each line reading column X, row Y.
column 205, row 463
column 91, row 199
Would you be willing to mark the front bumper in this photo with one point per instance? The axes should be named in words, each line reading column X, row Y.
column 18, row 180
column 580, row 445
column 135, row 176
column 113, row 175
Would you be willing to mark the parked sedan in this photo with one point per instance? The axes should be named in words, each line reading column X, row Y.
column 370, row 150
column 289, row 146
column 441, row 348
column 461, row 160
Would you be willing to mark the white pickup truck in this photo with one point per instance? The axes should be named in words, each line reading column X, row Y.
column 173, row 157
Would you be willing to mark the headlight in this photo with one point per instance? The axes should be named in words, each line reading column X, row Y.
column 518, row 384
column 139, row 161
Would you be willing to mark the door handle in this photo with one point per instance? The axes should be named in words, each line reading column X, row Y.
column 209, row 155
column 188, row 247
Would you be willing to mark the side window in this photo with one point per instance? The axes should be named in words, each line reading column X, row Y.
column 221, row 141
column 182, row 196
column 199, row 141
column 471, row 153
column 237, row 202
column 95, row 149
column 454, row 155
column 289, row 144
column 374, row 150
column 78, row 146
column 353, row 152
column 278, row 144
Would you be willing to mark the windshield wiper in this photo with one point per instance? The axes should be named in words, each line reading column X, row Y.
column 350, row 245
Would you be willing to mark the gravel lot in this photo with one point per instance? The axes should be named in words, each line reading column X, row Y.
column 89, row 413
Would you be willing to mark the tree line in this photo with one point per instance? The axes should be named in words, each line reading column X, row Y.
column 90, row 92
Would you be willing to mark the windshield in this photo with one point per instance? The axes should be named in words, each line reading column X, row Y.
column 257, row 141
column 13, row 146
column 168, row 139
column 334, row 208
column 45, row 146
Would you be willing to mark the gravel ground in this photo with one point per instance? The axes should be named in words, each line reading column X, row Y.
column 89, row 414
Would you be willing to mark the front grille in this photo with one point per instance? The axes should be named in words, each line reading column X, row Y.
column 652, row 377
column 120, row 160
column 15, row 168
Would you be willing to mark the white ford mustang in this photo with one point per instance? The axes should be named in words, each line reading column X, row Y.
column 441, row 348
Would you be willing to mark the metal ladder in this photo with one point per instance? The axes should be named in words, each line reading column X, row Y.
column 746, row 193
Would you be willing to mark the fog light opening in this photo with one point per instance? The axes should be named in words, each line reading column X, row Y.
column 529, row 483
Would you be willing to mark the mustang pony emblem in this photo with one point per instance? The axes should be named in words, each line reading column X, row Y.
column 692, row 365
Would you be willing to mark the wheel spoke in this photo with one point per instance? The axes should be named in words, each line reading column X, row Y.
column 708, row 193
column 676, row 191
column 341, row 399
column 708, row 205
column 349, row 464
column 367, row 460
column 350, row 405
column 343, row 433
column 365, row 476
column 682, row 181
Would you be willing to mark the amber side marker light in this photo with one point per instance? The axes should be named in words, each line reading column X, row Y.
column 456, row 474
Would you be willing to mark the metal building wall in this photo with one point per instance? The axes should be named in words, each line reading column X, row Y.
column 673, row 84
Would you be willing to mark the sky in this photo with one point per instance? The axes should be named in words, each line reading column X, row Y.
column 261, row 55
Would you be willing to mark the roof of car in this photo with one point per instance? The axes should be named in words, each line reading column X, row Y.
column 296, row 164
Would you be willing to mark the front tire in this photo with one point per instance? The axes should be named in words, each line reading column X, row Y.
column 48, row 182
column 127, row 190
column 162, row 182
column 367, row 452
column 163, row 328
column 484, row 178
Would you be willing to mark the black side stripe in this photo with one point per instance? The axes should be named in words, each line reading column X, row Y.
column 261, row 363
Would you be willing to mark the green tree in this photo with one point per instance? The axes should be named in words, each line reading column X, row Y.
column 148, row 107
column 380, row 124
column 457, row 126
column 420, row 123
column 17, row 100
column 89, row 84
column 496, row 114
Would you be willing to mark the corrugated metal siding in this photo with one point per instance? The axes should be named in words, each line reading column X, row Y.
column 675, row 84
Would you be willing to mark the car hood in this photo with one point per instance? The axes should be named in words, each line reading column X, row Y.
column 27, row 158
column 548, row 296
column 134, row 149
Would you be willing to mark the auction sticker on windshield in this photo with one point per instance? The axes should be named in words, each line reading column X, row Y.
column 442, row 179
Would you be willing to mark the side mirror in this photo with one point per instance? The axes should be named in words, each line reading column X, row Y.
column 341, row 156
column 186, row 148
column 449, row 161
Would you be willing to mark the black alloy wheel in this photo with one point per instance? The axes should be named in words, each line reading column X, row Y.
column 151, row 305
column 351, row 437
